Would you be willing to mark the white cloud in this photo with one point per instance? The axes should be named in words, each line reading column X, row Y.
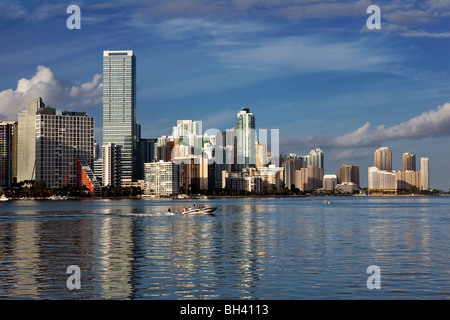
column 434, row 123
column 54, row 91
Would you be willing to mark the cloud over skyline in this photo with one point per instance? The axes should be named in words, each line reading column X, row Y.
column 433, row 123
column 54, row 91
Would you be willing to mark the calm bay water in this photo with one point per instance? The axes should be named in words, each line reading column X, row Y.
column 282, row 248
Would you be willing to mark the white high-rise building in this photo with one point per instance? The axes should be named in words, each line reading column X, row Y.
column 51, row 144
column 316, row 158
column 381, row 179
column 26, row 153
column 119, row 108
column 112, row 165
column 246, row 138
column 425, row 173
column 161, row 178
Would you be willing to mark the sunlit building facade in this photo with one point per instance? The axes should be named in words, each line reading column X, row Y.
column 119, row 108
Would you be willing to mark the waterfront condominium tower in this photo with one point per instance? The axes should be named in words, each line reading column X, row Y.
column 383, row 159
column 425, row 173
column 316, row 158
column 409, row 162
column 246, row 138
column 52, row 147
column 119, row 108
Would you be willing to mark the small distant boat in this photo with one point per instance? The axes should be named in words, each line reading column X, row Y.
column 4, row 198
column 325, row 202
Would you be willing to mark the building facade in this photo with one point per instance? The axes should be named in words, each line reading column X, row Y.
column 26, row 152
column 329, row 182
column 246, row 139
column 290, row 168
column 161, row 178
column 112, row 165
column 381, row 179
column 8, row 153
column 309, row 179
column 316, row 158
column 119, row 108
column 383, row 159
column 409, row 162
column 425, row 173
column 348, row 173
column 51, row 144
column 408, row 179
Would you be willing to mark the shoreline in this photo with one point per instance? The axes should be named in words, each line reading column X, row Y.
column 143, row 197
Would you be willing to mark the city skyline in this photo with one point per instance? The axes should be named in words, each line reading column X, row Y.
column 320, row 77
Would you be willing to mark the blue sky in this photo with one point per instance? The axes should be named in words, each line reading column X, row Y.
column 311, row 69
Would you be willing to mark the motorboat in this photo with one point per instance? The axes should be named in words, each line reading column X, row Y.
column 198, row 209
column 325, row 202
column 4, row 198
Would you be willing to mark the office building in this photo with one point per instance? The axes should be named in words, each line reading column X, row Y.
column 112, row 165
column 409, row 162
column 161, row 178
column 8, row 153
column 246, row 138
column 348, row 173
column 119, row 108
column 383, row 159
column 425, row 173
column 148, row 147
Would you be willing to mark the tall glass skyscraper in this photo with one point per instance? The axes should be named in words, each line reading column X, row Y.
column 246, row 139
column 119, row 107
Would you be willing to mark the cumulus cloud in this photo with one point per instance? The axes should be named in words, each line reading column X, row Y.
column 54, row 91
column 433, row 123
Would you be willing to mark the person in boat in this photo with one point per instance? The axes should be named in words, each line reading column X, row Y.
column 169, row 210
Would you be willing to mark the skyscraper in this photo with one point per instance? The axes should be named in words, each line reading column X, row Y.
column 383, row 159
column 381, row 179
column 50, row 145
column 425, row 173
column 246, row 138
column 119, row 107
column 409, row 162
column 316, row 158
column 7, row 152
column 26, row 153
column 290, row 167
column 348, row 173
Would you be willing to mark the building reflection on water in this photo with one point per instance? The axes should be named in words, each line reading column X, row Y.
column 132, row 250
